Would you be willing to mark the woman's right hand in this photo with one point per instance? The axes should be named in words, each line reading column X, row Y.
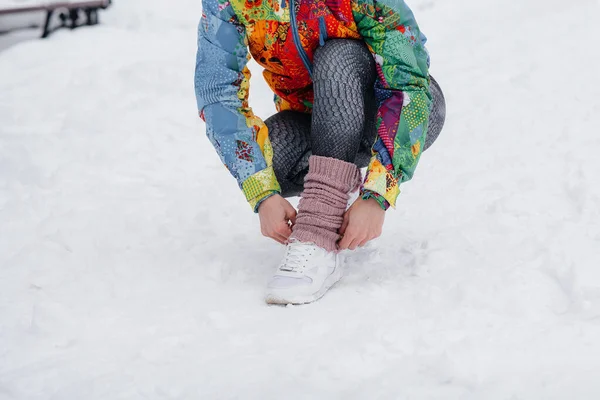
column 277, row 216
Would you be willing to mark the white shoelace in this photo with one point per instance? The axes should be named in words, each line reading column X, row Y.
column 296, row 256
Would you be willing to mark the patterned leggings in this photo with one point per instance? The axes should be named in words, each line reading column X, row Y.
column 342, row 124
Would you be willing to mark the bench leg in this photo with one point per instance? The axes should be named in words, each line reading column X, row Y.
column 92, row 16
column 74, row 16
column 46, row 31
column 70, row 19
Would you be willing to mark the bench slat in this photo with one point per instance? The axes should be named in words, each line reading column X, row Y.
column 14, row 8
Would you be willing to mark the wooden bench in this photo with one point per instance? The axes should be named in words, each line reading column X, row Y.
column 69, row 16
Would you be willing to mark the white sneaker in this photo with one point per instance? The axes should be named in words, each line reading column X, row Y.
column 306, row 273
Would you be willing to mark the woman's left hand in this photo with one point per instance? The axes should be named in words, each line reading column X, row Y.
column 362, row 223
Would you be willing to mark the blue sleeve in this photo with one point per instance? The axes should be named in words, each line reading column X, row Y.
column 222, row 84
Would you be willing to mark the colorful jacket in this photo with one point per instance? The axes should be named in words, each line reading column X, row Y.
column 282, row 37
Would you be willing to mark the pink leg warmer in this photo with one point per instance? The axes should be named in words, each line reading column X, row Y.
column 327, row 187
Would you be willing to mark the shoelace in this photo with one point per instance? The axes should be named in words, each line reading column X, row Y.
column 296, row 256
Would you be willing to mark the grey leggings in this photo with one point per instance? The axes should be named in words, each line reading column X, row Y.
column 342, row 124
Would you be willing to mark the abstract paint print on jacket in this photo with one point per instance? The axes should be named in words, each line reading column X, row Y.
column 282, row 37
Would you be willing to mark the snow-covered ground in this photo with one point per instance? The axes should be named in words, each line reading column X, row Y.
column 132, row 268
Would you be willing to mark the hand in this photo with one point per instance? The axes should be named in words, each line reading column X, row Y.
column 277, row 216
column 362, row 223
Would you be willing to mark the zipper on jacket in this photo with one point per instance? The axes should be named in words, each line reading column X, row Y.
column 322, row 31
column 297, row 41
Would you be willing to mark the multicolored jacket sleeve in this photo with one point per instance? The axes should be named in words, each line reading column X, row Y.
column 402, row 90
column 222, row 83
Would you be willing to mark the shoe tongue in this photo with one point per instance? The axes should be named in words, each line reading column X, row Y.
column 297, row 253
column 298, row 244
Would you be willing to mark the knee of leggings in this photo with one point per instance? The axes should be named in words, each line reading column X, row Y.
column 437, row 117
column 343, row 56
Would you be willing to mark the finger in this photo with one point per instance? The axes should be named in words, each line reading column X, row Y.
column 354, row 244
column 344, row 224
column 368, row 239
column 290, row 213
column 278, row 237
column 363, row 242
column 284, row 230
column 292, row 217
column 346, row 240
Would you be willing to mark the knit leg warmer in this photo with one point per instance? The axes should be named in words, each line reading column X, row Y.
column 327, row 188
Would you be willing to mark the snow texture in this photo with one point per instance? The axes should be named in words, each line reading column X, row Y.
column 131, row 266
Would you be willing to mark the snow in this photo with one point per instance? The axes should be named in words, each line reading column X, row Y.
column 132, row 268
